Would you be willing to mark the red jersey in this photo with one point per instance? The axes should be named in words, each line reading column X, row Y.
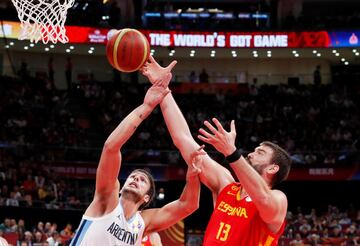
column 146, row 241
column 236, row 221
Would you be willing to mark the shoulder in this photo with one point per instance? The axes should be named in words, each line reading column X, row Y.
column 101, row 206
column 147, row 214
column 279, row 195
column 281, row 202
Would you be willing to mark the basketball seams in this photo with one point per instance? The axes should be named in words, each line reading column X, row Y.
column 109, row 49
column 145, row 51
column 116, row 44
column 128, row 50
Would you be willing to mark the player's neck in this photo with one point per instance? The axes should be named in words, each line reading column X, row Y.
column 129, row 207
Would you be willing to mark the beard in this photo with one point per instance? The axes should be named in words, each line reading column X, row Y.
column 130, row 195
column 259, row 168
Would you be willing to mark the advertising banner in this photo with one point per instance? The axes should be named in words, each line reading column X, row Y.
column 168, row 172
column 165, row 38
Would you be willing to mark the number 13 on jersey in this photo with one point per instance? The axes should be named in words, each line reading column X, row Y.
column 223, row 231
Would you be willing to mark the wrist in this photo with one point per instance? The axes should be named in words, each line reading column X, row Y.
column 149, row 107
column 229, row 151
column 234, row 156
column 145, row 111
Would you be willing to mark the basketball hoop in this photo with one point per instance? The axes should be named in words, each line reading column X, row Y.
column 43, row 19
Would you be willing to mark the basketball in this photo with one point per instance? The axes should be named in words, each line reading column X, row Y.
column 127, row 49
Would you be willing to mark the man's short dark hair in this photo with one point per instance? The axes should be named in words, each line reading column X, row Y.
column 282, row 159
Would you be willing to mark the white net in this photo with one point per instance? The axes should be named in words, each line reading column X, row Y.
column 43, row 19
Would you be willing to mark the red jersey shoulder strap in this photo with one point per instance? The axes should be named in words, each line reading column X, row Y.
column 232, row 188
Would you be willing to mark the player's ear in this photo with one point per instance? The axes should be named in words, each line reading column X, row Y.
column 274, row 168
column 146, row 198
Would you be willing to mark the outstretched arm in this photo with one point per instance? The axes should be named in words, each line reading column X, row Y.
column 107, row 184
column 215, row 177
column 272, row 204
column 161, row 218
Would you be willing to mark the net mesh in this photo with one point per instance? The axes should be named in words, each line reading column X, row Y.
column 43, row 19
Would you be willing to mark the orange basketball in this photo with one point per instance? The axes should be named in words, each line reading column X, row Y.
column 127, row 49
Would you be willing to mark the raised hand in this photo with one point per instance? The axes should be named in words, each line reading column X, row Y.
column 156, row 73
column 223, row 141
column 155, row 94
column 196, row 161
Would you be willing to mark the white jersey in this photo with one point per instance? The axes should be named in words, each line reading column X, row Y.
column 111, row 229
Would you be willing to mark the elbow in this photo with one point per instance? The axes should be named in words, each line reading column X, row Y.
column 192, row 207
column 195, row 207
column 176, row 138
column 110, row 147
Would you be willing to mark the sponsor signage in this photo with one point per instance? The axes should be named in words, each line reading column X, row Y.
column 167, row 172
column 318, row 39
column 324, row 172
column 239, row 40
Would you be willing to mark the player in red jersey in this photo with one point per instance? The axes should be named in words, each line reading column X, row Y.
column 245, row 214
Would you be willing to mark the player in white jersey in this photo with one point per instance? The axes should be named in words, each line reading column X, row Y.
column 113, row 220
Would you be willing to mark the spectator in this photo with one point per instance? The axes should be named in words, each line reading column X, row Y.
column 47, row 227
column 38, row 238
column 297, row 241
column 317, row 76
column 192, row 77
column 23, row 72
column 13, row 225
column 28, row 200
column 203, row 77
column 67, row 233
column 39, row 227
column 51, row 70
column 29, row 184
column 253, row 89
column 21, row 228
column 314, row 239
column 68, row 72
column 6, row 226
column 54, row 239
column 28, row 238
column 12, row 201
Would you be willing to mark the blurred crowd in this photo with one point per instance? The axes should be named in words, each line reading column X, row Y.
column 27, row 183
column 18, row 233
column 329, row 227
column 317, row 124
